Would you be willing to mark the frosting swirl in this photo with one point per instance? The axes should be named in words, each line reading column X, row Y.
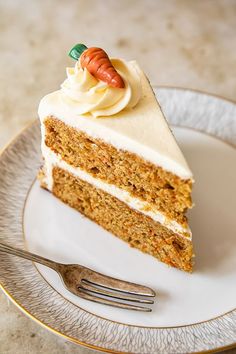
column 89, row 95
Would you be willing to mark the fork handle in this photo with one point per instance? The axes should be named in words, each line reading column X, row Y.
column 28, row 255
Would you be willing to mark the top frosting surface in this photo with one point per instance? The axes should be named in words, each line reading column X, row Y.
column 88, row 95
column 140, row 129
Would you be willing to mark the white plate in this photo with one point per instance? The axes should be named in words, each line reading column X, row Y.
column 193, row 312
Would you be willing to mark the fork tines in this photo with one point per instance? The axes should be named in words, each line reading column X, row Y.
column 99, row 288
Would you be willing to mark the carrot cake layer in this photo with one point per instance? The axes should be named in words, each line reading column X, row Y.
column 51, row 160
column 142, row 179
column 139, row 230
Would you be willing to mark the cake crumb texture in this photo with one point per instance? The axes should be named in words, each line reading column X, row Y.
column 166, row 192
column 138, row 230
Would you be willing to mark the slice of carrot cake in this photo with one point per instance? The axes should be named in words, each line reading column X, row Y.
column 109, row 153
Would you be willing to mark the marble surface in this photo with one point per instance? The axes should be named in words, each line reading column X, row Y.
column 183, row 43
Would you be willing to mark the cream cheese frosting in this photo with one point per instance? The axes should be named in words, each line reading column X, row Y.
column 141, row 130
column 89, row 95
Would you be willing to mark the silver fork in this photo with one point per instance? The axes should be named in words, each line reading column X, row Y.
column 91, row 285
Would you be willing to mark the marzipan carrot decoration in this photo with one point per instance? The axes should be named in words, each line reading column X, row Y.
column 97, row 62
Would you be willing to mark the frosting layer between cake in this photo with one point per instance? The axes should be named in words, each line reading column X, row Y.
column 54, row 160
column 142, row 130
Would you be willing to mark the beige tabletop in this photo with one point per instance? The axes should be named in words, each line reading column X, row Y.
column 185, row 43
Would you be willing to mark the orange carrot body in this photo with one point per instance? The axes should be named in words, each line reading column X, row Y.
column 99, row 65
